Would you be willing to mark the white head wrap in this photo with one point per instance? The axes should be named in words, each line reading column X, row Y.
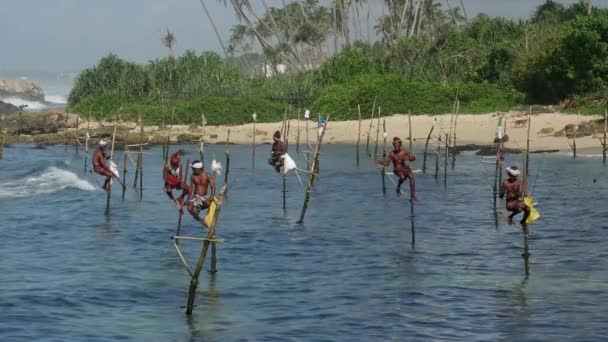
column 513, row 171
column 197, row 165
column 103, row 143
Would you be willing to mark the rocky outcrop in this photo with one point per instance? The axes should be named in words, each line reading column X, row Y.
column 7, row 108
column 24, row 89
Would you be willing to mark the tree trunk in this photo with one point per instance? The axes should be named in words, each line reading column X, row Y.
column 217, row 34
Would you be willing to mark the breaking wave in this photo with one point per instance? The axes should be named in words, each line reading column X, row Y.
column 51, row 180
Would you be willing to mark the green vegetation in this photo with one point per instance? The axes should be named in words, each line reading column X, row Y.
column 424, row 57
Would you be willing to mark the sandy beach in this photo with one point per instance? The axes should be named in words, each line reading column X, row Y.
column 470, row 129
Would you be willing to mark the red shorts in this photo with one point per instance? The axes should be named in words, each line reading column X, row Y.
column 174, row 182
column 100, row 170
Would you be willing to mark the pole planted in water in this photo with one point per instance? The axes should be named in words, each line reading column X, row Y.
column 311, row 174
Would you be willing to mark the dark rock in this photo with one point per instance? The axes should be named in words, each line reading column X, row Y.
column 544, row 151
column 7, row 108
column 492, row 150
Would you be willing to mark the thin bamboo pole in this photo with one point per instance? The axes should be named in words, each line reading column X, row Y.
column 605, row 143
column 86, row 140
column 124, row 173
column 77, row 134
column 3, row 130
column 141, row 172
column 227, row 152
column 213, row 269
column 109, row 189
column 410, row 138
column 526, row 252
column 527, row 154
column 253, row 142
column 412, row 223
column 445, row 164
column 65, row 130
column 426, row 146
column 437, row 159
column 202, row 257
column 378, row 131
column 298, row 135
column 358, row 135
column 181, row 214
column 454, row 136
column 284, row 193
column 382, row 171
column 311, row 174
column 369, row 131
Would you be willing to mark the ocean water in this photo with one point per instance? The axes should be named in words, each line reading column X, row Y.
column 70, row 273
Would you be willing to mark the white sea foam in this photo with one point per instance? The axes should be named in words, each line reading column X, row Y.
column 52, row 180
column 50, row 101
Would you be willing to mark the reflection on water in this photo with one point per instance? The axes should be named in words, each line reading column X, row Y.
column 70, row 273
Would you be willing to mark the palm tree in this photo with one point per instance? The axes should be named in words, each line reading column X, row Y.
column 168, row 40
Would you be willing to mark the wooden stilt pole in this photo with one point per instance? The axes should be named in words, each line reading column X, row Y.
column 65, row 130
column 202, row 257
column 358, row 135
column 527, row 154
column 213, row 269
column 437, row 158
column 369, row 131
column 187, row 198
column 298, row 135
column 410, row 138
column 141, row 172
column 605, row 142
column 412, row 223
column 383, row 170
column 454, row 137
column 255, row 116
column 124, row 173
column 227, row 152
column 526, row 252
column 446, row 156
column 426, row 146
column 378, row 132
column 3, row 131
column 311, row 174
column 77, row 134
column 284, row 193
column 86, row 141
column 109, row 189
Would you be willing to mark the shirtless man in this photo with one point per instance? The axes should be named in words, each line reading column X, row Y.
column 401, row 161
column 99, row 163
column 171, row 176
column 278, row 149
column 201, row 181
column 514, row 189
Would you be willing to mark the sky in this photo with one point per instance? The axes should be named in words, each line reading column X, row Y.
column 68, row 35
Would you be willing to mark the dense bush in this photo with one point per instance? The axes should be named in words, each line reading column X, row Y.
column 394, row 95
column 217, row 110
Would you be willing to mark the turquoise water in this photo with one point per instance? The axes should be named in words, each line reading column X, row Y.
column 349, row 273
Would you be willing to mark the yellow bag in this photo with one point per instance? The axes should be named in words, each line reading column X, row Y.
column 211, row 212
column 534, row 214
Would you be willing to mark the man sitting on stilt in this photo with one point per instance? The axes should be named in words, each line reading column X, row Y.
column 401, row 161
column 171, row 174
column 99, row 164
column 201, row 181
column 278, row 149
column 514, row 188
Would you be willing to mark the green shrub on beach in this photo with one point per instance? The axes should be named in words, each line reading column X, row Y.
column 396, row 96
column 217, row 109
